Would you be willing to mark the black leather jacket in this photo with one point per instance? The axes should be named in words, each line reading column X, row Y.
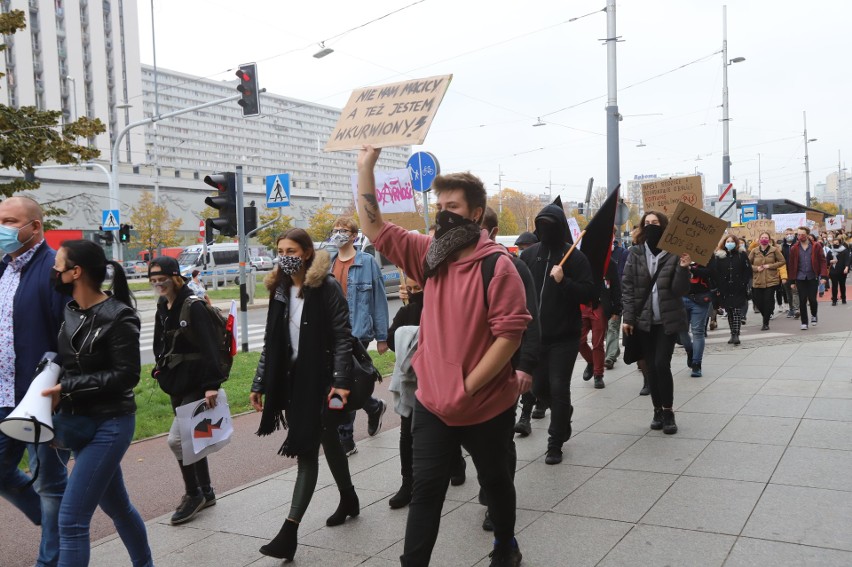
column 99, row 349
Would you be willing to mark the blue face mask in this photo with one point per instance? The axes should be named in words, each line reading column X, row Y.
column 9, row 238
column 730, row 245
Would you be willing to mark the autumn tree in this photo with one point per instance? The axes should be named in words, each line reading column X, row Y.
column 153, row 224
column 524, row 208
column 31, row 137
column 828, row 208
column 209, row 212
column 507, row 222
column 321, row 223
column 269, row 235
column 599, row 195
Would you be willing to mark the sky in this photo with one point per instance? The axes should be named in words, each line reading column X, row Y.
column 513, row 62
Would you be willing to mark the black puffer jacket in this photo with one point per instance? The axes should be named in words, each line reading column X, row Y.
column 732, row 274
column 99, row 348
column 672, row 285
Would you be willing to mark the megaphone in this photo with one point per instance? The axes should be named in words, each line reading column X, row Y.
column 31, row 420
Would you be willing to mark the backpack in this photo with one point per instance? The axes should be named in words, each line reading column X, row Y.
column 224, row 336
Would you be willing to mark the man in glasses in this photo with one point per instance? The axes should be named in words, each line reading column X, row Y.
column 360, row 276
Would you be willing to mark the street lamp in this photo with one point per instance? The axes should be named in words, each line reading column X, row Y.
column 323, row 51
column 726, row 158
column 807, row 161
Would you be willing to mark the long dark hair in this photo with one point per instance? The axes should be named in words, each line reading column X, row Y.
column 92, row 260
column 640, row 236
column 303, row 239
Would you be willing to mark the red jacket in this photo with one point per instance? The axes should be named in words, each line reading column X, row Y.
column 818, row 262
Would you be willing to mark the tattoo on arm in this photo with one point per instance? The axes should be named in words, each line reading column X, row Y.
column 372, row 207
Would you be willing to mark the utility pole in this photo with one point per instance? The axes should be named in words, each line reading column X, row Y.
column 612, row 116
column 807, row 161
column 759, row 180
column 242, row 240
column 726, row 157
column 500, row 188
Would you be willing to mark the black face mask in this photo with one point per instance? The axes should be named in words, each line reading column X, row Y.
column 550, row 233
column 60, row 286
column 416, row 297
column 446, row 221
column 653, row 233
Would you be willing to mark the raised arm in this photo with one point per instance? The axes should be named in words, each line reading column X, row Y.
column 367, row 205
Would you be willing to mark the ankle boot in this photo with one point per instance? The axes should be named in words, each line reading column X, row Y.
column 284, row 544
column 403, row 496
column 349, row 506
column 646, row 388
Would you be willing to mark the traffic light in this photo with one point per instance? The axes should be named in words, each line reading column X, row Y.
column 225, row 201
column 124, row 233
column 250, row 217
column 105, row 236
column 580, row 207
column 248, row 87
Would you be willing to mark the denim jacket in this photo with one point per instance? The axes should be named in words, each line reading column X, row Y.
column 365, row 293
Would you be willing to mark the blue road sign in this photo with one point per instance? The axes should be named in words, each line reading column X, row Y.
column 749, row 212
column 110, row 219
column 278, row 190
column 424, row 168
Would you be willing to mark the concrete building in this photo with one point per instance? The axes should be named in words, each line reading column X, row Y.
column 78, row 57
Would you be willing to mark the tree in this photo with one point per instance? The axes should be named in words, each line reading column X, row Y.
column 582, row 221
column 269, row 235
column 153, row 224
column 524, row 208
column 30, row 137
column 599, row 195
column 507, row 223
column 322, row 221
column 828, row 208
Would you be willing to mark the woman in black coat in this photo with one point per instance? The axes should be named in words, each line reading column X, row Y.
column 839, row 260
column 732, row 274
column 304, row 367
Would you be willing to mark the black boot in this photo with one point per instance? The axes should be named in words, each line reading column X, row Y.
column 657, row 421
column 349, row 506
column 736, row 339
column 202, row 473
column 403, row 496
column 284, row 544
column 646, row 388
column 457, row 472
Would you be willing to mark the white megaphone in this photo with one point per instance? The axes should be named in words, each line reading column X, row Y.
column 31, row 420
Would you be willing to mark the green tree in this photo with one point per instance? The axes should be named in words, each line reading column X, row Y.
column 31, row 137
column 507, row 223
column 269, row 235
column 154, row 225
column 829, row 208
column 321, row 223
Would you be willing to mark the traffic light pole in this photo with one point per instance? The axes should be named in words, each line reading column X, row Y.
column 241, row 235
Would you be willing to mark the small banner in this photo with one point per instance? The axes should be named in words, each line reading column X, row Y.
column 204, row 430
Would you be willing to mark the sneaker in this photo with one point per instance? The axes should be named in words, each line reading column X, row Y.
column 834, row 303
column 349, row 447
column 523, row 427
column 696, row 371
column 804, row 326
column 554, row 456
column 669, row 425
column 209, row 497
column 588, row 372
column 790, row 314
column 487, row 524
column 189, row 506
column 599, row 383
column 506, row 555
column 609, row 364
column 374, row 420
column 538, row 412
column 814, row 321
column 657, row 421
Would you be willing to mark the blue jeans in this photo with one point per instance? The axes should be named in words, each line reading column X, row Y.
column 347, row 429
column 97, row 481
column 39, row 502
column 697, row 314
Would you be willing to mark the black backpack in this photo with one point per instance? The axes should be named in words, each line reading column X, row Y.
column 224, row 336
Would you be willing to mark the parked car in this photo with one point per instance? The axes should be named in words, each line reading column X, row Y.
column 129, row 268
column 261, row 263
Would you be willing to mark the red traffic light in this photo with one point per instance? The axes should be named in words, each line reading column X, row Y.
column 248, row 88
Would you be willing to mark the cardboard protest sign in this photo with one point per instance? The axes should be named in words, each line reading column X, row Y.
column 664, row 194
column 738, row 231
column 396, row 114
column 694, row 232
column 394, row 191
column 755, row 227
column 815, row 217
column 790, row 220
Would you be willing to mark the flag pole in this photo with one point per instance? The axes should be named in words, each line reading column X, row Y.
column 571, row 250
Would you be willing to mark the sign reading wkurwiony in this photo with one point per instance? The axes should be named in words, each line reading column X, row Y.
column 396, row 114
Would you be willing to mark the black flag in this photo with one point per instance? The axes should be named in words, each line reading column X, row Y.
column 597, row 242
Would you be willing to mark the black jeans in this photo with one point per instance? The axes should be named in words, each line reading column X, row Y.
column 838, row 283
column 657, row 350
column 764, row 298
column 552, row 384
column 436, row 448
column 807, row 290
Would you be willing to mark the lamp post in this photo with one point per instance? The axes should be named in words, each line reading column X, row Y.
column 807, row 161
column 613, row 172
column 726, row 157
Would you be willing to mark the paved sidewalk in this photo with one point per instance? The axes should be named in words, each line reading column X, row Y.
column 758, row 475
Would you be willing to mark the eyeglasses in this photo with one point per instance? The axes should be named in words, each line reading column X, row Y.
column 340, row 231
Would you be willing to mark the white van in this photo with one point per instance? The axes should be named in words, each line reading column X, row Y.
column 223, row 259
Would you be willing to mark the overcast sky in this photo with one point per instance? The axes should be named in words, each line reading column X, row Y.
column 515, row 61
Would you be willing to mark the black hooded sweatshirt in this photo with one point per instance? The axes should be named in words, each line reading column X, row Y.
column 559, row 303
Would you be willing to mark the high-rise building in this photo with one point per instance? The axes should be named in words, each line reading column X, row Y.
column 78, row 57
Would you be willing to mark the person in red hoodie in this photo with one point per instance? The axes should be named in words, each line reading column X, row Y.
column 467, row 388
column 806, row 264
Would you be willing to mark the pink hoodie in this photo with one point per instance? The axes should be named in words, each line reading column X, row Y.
column 456, row 329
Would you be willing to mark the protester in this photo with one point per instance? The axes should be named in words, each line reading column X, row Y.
column 765, row 259
column 305, row 362
column 187, row 369
column 792, row 296
column 655, row 313
column 197, row 286
column 613, row 327
column 467, row 389
column 525, row 240
column 99, row 350
column 596, row 315
column 732, row 273
column 360, row 278
column 839, row 261
column 697, row 304
column 561, row 290
column 31, row 313
column 806, row 264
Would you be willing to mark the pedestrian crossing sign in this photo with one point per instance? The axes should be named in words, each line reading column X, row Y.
column 278, row 190
column 111, row 220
